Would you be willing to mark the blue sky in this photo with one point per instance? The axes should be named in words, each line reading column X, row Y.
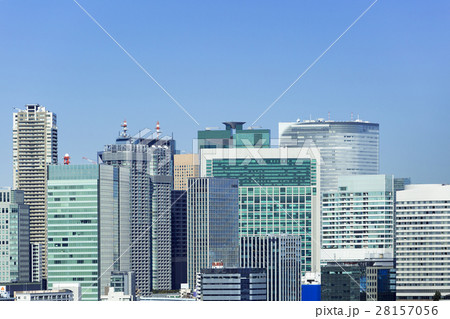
column 228, row 60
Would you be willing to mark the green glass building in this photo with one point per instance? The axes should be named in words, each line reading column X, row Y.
column 278, row 193
column 234, row 136
column 88, row 225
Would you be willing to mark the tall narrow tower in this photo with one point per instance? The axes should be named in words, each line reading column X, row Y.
column 35, row 145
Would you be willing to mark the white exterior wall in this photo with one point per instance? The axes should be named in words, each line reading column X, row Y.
column 423, row 241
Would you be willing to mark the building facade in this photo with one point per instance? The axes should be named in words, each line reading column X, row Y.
column 232, row 284
column 358, row 219
column 179, row 238
column 35, row 145
column 212, row 224
column 279, row 193
column 150, row 160
column 346, row 148
column 185, row 166
column 88, row 225
column 14, row 236
column 234, row 136
column 422, row 241
column 281, row 256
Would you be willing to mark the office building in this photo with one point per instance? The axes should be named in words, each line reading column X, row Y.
column 423, row 241
column 281, row 256
column 212, row 224
column 371, row 279
column 381, row 281
column 279, row 193
column 179, row 238
column 358, row 219
column 184, row 166
column 346, row 148
column 342, row 281
column 35, row 145
column 14, row 236
column 232, row 284
column 234, row 136
column 88, row 225
column 150, row 159
column 45, row 295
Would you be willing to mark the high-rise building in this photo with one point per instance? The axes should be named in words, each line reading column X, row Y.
column 279, row 193
column 35, row 145
column 150, row 159
column 14, row 237
column 281, row 256
column 88, row 225
column 232, row 284
column 179, row 238
column 358, row 219
column 234, row 136
column 346, row 148
column 184, row 166
column 422, row 241
column 212, row 224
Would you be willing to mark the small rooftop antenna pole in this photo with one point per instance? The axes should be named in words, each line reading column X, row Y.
column 158, row 131
column 124, row 128
column 351, row 118
column 329, row 116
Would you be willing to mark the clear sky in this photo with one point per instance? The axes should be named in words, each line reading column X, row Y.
column 229, row 60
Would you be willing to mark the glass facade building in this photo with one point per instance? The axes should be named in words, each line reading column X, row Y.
column 14, row 237
column 358, row 219
column 212, row 225
column 88, row 225
column 346, row 148
column 234, row 136
column 179, row 238
column 281, row 256
column 279, row 193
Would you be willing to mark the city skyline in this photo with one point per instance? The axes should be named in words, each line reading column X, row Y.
column 390, row 68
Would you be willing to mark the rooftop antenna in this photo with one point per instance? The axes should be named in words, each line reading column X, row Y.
column 124, row 126
column 66, row 159
column 158, row 131
column 329, row 119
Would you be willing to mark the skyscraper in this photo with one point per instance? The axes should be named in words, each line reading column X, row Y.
column 14, row 237
column 35, row 145
column 213, row 227
column 422, row 241
column 358, row 219
column 281, row 256
column 279, row 193
column 88, row 225
column 179, row 238
column 185, row 166
column 150, row 159
column 234, row 136
column 346, row 148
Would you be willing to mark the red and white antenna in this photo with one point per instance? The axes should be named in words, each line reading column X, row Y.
column 124, row 128
column 158, row 130
column 66, row 159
